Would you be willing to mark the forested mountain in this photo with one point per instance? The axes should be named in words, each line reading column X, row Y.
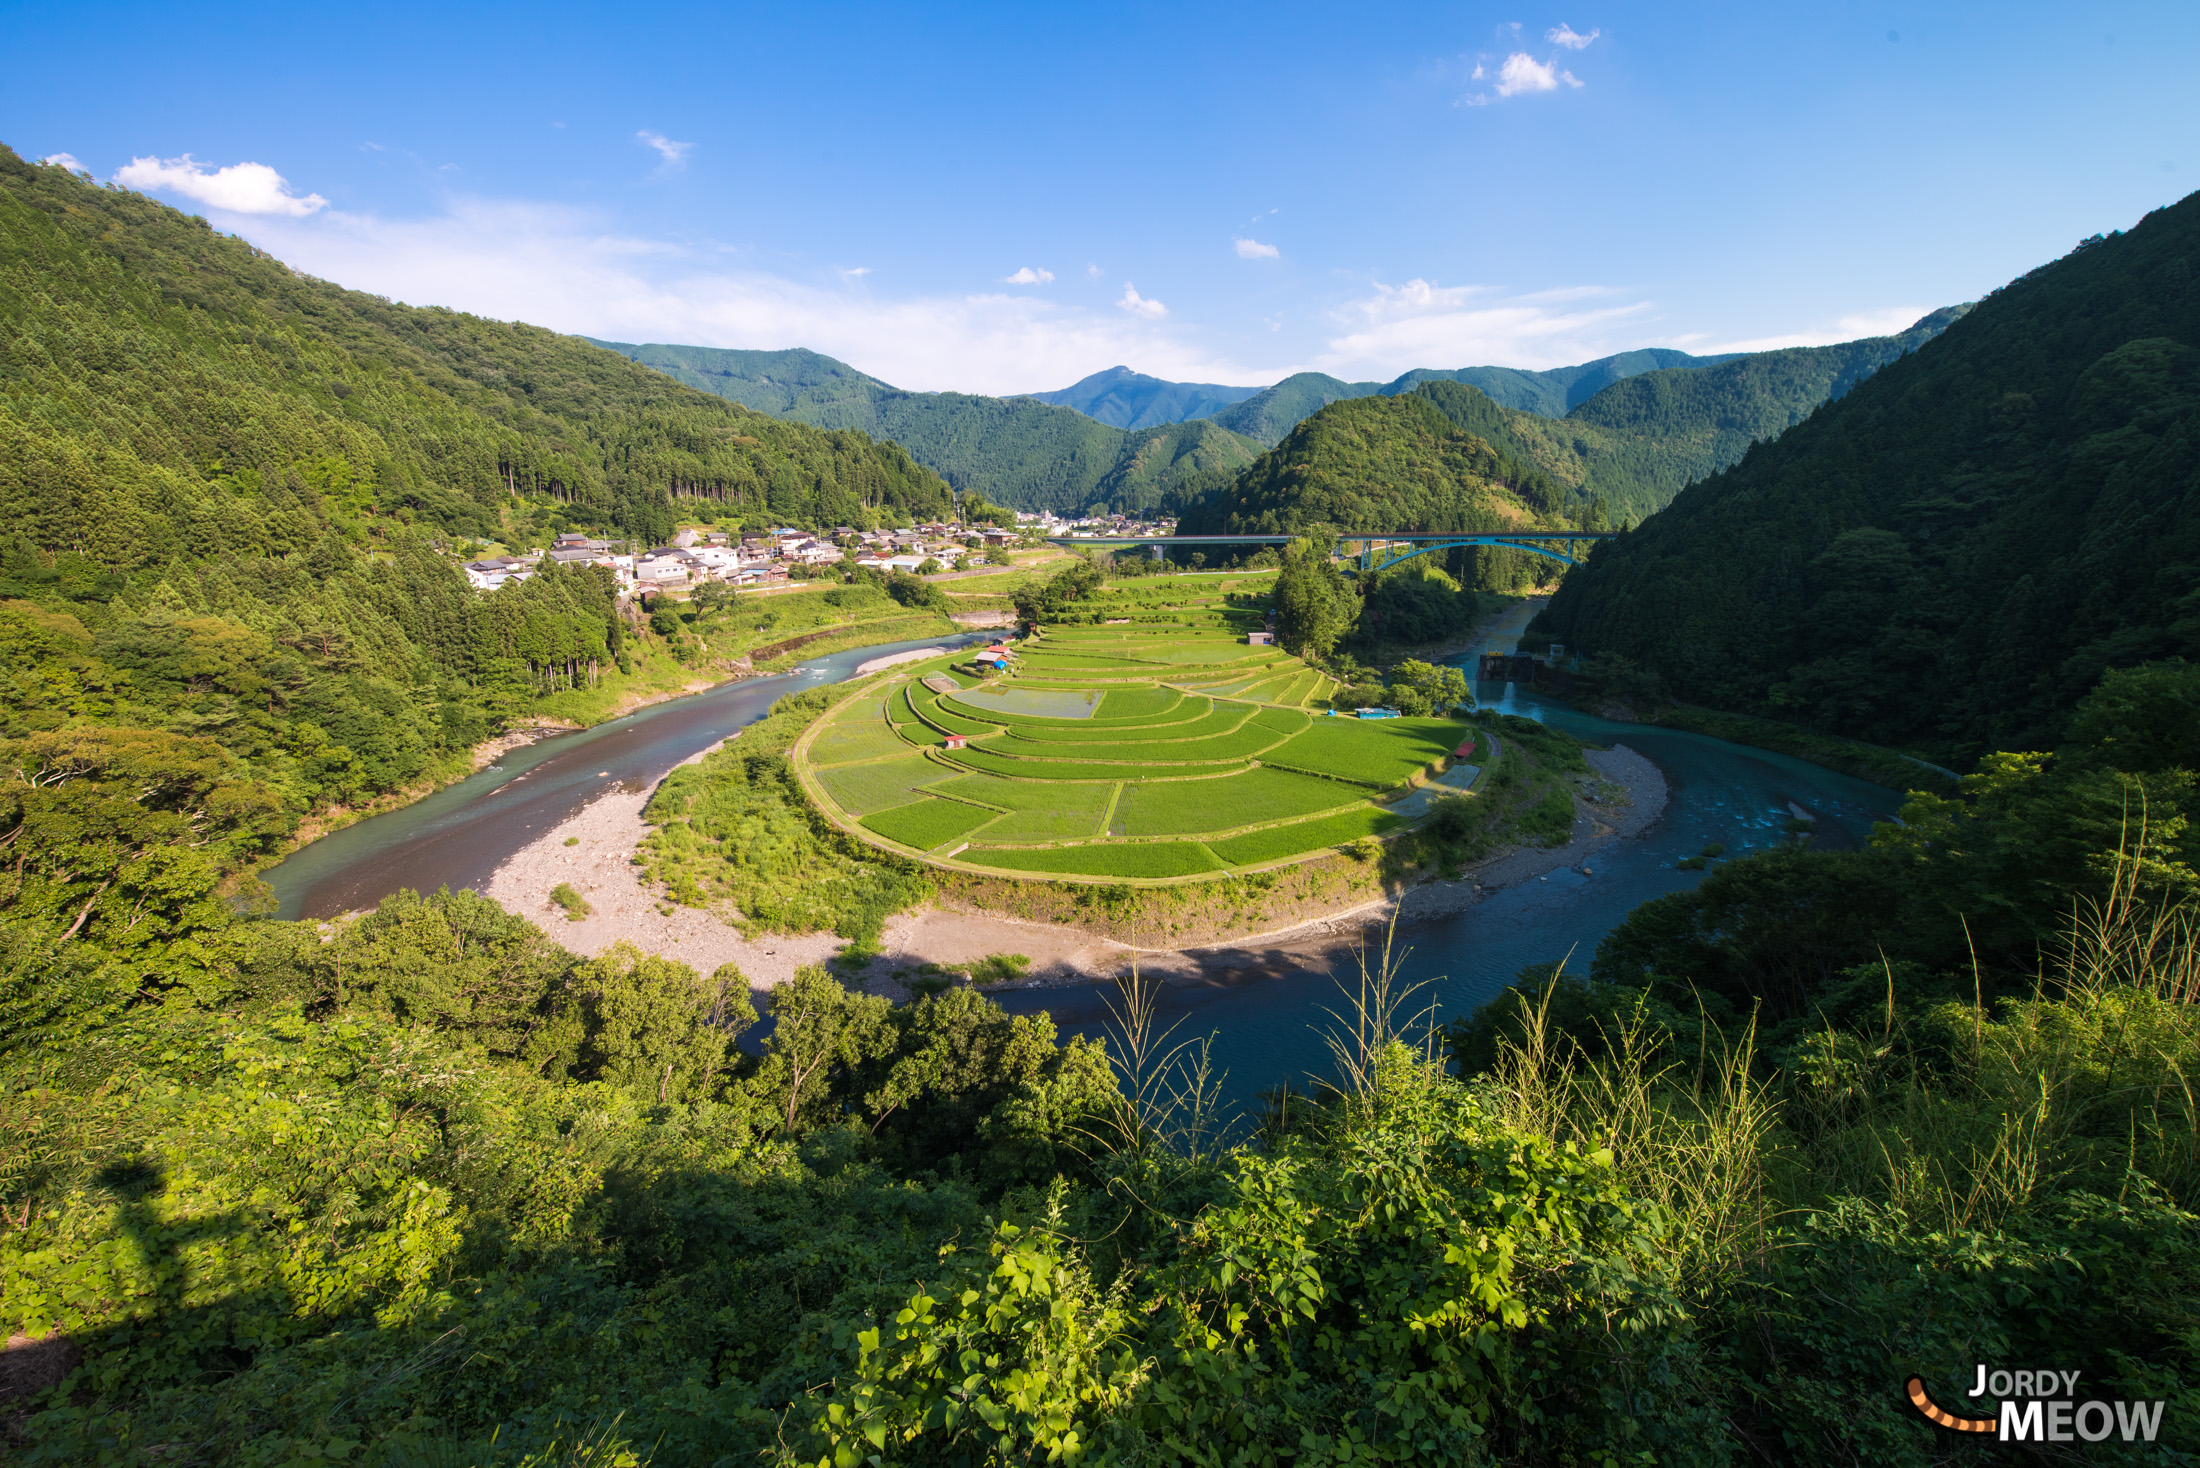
column 1271, row 413
column 1018, row 451
column 1629, row 429
column 1127, row 399
column 1392, row 463
column 229, row 493
column 1946, row 558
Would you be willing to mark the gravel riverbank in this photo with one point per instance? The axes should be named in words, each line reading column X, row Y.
column 607, row 832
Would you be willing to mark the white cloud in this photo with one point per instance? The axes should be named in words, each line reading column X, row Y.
column 1255, row 250
column 1094, row 272
column 856, row 272
column 1029, row 276
column 1523, row 73
column 65, row 160
column 1422, row 324
column 1138, row 305
column 241, row 188
column 1884, row 321
column 563, row 269
column 675, row 154
column 1565, row 35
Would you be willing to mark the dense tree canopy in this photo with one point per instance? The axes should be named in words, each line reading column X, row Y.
column 1949, row 556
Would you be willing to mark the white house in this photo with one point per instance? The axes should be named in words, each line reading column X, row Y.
column 494, row 571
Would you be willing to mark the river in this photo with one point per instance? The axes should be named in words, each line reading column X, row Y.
column 462, row 833
column 1264, row 1030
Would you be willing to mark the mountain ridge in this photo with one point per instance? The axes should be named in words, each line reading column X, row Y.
column 1631, row 428
column 1122, row 398
column 1949, row 555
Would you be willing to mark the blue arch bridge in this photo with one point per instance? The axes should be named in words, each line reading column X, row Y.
column 1377, row 550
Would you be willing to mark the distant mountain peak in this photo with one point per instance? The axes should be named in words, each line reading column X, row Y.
column 1123, row 398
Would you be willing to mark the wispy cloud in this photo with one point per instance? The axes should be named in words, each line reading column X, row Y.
column 1883, row 321
column 1255, row 250
column 1523, row 73
column 1029, row 276
column 1423, row 324
column 65, row 160
column 241, row 188
column 1139, row 305
column 565, row 269
column 855, row 272
column 1573, row 40
column 1094, row 272
column 674, row 154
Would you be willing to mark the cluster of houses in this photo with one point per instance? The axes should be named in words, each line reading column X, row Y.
column 1049, row 523
column 697, row 556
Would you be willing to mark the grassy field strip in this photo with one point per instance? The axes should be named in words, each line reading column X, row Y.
column 876, row 785
column 1037, row 810
column 866, row 735
column 1242, row 744
column 1301, row 838
column 1264, row 690
column 931, row 708
column 929, row 822
column 1152, row 859
column 1226, row 719
column 900, row 711
column 1265, row 797
column 1101, row 720
column 1377, row 752
column 1107, row 817
column 1050, row 770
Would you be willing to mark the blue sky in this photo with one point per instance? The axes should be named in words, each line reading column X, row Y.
column 1004, row 199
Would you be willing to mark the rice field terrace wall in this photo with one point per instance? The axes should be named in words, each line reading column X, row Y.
column 1116, row 753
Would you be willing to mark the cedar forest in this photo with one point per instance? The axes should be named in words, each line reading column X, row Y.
column 420, row 1187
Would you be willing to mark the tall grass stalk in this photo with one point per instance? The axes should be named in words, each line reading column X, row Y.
column 1369, row 1025
column 1691, row 1136
column 1172, row 1093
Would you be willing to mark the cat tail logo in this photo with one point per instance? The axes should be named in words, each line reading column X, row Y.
column 1934, row 1412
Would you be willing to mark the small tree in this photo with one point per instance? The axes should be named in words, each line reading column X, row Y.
column 1314, row 604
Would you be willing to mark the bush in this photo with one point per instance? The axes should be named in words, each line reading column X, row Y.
column 567, row 896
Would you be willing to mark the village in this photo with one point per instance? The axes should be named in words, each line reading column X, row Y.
column 762, row 559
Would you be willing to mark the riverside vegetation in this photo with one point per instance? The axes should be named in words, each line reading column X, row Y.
column 420, row 1188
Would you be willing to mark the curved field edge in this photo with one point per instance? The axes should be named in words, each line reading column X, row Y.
column 1250, row 848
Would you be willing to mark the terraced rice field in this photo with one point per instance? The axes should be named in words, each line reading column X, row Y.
column 1142, row 753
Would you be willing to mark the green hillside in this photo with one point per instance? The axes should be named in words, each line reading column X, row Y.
column 1018, row 451
column 1636, row 443
column 1271, row 413
column 1386, row 463
column 229, row 497
column 1631, row 429
column 1949, row 556
column 1122, row 398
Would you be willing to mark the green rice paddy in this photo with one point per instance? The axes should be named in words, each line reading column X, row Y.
column 1145, row 753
